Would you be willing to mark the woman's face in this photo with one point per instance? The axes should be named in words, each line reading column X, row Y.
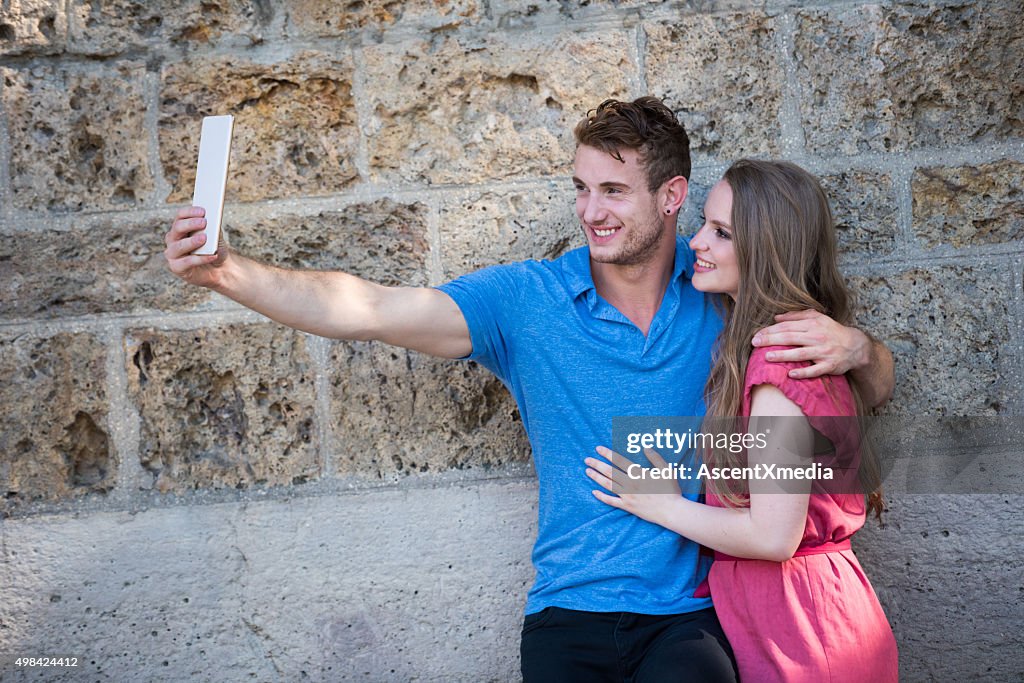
column 716, row 270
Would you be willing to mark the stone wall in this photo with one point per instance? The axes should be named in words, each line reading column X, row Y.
column 192, row 492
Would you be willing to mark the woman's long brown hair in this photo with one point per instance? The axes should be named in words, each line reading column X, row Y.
column 785, row 243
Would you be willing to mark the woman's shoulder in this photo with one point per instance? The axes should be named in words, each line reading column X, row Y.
column 824, row 395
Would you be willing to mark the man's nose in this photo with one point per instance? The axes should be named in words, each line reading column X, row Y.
column 593, row 212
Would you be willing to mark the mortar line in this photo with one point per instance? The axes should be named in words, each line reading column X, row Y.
column 791, row 130
column 639, row 44
column 151, row 121
column 6, row 195
column 319, row 352
column 364, row 116
column 435, row 266
column 1017, row 336
column 123, row 420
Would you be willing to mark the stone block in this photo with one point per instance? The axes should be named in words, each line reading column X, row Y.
column 383, row 241
column 723, row 76
column 326, row 18
column 864, row 207
column 451, row 110
column 484, row 229
column 949, row 329
column 112, row 266
column 398, row 412
column 878, row 79
column 227, row 407
column 54, row 434
column 294, row 132
column 77, row 137
column 939, row 562
column 111, row 27
column 968, row 205
column 32, row 26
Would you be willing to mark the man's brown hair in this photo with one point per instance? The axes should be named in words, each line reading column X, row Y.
column 645, row 125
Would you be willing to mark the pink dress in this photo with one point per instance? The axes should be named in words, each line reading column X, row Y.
column 814, row 617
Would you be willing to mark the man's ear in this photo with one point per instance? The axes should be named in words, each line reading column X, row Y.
column 675, row 190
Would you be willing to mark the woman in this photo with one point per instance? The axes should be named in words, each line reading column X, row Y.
column 789, row 592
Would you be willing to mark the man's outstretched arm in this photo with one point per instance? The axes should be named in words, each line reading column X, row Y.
column 329, row 304
column 833, row 349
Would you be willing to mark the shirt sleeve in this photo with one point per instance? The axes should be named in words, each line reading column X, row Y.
column 487, row 300
column 826, row 401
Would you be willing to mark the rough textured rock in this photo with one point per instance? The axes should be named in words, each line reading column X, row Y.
column 722, row 75
column 864, row 207
column 114, row 266
column 54, row 438
column 327, row 18
column 447, row 110
column 965, row 205
column 876, row 79
column 949, row 329
column 225, row 407
column 384, row 242
column 929, row 542
column 77, row 137
column 294, row 129
column 483, row 229
column 110, row 27
column 32, row 26
column 397, row 412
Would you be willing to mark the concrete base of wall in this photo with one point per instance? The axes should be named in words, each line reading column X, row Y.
column 418, row 584
column 400, row 585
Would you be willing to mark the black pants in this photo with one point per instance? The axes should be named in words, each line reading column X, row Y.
column 566, row 646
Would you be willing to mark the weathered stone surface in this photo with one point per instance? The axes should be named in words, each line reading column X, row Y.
column 949, row 330
column 875, row 79
column 294, row 129
column 77, row 137
column 929, row 543
column 226, row 407
column 54, row 437
column 398, row 412
column 327, row 18
column 380, row 586
column 864, row 207
column 32, row 26
column 723, row 76
column 110, row 27
column 384, row 242
column 483, row 229
column 447, row 111
column 964, row 205
column 112, row 267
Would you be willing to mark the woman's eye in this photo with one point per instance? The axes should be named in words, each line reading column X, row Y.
column 723, row 234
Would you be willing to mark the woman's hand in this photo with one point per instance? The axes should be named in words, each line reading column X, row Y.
column 636, row 490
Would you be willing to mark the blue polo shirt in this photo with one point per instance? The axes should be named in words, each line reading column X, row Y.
column 573, row 362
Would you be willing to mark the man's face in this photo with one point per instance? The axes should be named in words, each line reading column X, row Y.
column 619, row 215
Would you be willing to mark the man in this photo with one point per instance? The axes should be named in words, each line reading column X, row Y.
column 610, row 329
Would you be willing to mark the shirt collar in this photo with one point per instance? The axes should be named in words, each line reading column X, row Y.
column 576, row 266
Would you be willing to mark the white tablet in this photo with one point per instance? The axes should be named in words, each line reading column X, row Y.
column 212, row 176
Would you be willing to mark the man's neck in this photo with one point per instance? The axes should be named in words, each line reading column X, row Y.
column 636, row 290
